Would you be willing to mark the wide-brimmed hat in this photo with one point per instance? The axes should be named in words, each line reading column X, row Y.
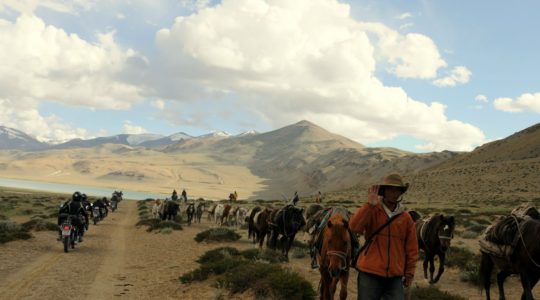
column 394, row 179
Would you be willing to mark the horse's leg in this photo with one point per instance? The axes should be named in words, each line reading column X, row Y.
column 431, row 268
column 501, row 277
column 442, row 256
column 486, row 267
column 344, row 279
column 333, row 286
column 526, row 284
column 261, row 238
column 425, row 265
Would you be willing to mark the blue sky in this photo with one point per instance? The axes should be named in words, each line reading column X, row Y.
column 416, row 75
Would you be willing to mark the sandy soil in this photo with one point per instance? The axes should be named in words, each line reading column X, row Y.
column 118, row 260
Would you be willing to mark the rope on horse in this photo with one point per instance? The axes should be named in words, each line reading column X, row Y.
column 523, row 242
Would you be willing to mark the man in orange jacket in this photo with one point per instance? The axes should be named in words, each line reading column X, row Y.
column 388, row 262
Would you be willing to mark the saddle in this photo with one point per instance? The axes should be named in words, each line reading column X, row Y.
column 501, row 238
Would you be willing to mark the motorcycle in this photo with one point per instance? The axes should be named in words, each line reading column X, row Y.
column 96, row 214
column 69, row 234
column 114, row 205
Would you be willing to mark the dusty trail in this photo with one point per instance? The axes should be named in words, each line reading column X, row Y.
column 117, row 260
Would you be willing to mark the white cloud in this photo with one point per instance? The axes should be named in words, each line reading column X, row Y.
column 404, row 16
column 291, row 60
column 481, row 98
column 120, row 16
column 131, row 128
column 23, row 114
column 195, row 5
column 159, row 104
column 44, row 62
column 410, row 56
column 458, row 75
column 525, row 102
column 29, row 6
column 405, row 26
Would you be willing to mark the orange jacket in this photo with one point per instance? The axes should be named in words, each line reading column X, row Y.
column 393, row 251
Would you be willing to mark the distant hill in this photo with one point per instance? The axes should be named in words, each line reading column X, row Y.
column 506, row 170
column 13, row 139
column 307, row 158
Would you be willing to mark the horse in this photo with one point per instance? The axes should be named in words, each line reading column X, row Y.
column 524, row 261
column 241, row 214
column 225, row 214
column 212, row 211
column 231, row 218
column 190, row 211
column 232, row 197
column 199, row 212
column 286, row 222
column 434, row 237
column 314, row 214
column 260, row 225
column 251, row 223
column 334, row 257
column 155, row 210
column 170, row 210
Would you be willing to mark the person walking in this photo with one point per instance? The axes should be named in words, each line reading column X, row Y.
column 387, row 262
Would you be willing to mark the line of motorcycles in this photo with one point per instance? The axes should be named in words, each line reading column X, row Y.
column 70, row 234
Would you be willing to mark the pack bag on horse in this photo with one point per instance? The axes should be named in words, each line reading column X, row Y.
column 386, row 263
column 286, row 222
column 434, row 237
column 336, row 252
column 511, row 245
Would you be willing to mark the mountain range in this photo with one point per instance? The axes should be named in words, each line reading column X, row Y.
column 300, row 157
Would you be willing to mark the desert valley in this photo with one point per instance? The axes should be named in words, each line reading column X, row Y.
column 123, row 260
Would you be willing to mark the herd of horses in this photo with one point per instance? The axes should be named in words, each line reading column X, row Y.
column 333, row 241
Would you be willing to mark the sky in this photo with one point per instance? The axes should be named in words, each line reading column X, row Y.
column 416, row 75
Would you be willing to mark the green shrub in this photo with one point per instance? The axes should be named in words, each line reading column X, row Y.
column 239, row 274
column 429, row 293
column 286, row 284
column 468, row 234
column 459, row 257
column 219, row 254
column 471, row 272
column 299, row 252
column 164, row 224
column 39, row 224
column 241, row 278
column 217, row 235
column 10, row 231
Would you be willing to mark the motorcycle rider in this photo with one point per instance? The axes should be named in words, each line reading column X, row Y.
column 74, row 209
column 101, row 203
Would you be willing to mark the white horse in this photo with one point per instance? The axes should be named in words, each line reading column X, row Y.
column 241, row 215
column 155, row 211
column 218, row 213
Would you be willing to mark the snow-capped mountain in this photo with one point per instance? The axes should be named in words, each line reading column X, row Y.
column 123, row 139
column 222, row 134
column 248, row 133
column 11, row 138
column 168, row 140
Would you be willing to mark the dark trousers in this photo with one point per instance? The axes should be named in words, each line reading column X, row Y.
column 374, row 287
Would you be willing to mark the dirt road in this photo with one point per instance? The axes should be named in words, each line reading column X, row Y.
column 120, row 261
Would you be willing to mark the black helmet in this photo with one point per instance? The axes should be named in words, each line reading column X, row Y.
column 76, row 196
column 84, row 197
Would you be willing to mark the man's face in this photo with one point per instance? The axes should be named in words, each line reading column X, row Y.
column 391, row 194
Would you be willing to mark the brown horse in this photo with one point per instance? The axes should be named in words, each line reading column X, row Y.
column 334, row 257
column 252, row 232
column 434, row 237
column 225, row 216
column 261, row 227
column 525, row 261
